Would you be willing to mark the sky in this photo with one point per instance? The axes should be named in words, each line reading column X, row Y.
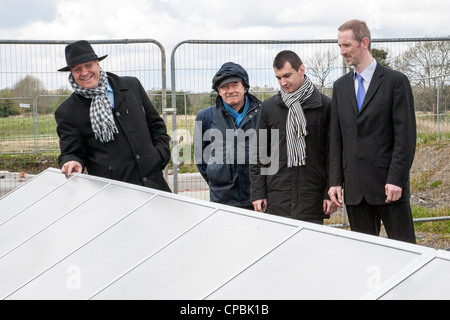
column 172, row 21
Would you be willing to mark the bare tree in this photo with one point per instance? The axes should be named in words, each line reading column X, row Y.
column 321, row 66
column 427, row 65
column 29, row 87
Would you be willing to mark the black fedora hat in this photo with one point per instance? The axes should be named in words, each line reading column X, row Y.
column 79, row 52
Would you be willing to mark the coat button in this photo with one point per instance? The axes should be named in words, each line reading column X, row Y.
column 138, row 157
column 145, row 179
column 118, row 113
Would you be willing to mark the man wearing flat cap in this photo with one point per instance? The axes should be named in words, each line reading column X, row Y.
column 108, row 125
column 222, row 137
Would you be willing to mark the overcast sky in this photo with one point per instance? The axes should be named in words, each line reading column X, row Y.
column 172, row 21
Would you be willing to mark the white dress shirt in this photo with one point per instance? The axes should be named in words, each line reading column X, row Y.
column 367, row 75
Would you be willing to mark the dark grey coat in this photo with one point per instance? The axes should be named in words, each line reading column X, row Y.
column 138, row 153
column 296, row 192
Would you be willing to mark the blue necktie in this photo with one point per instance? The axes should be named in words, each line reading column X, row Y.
column 361, row 92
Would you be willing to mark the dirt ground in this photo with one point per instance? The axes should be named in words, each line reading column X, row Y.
column 430, row 176
column 434, row 162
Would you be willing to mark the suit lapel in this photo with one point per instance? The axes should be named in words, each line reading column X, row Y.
column 375, row 83
column 350, row 84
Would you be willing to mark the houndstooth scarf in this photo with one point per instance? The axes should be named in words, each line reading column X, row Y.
column 296, row 123
column 101, row 116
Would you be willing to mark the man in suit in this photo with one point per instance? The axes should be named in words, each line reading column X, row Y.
column 372, row 140
column 108, row 125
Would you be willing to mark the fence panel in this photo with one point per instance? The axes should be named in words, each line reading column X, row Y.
column 194, row 63
column 31, row 89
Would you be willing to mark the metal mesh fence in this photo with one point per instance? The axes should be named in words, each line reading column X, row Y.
column 194, row 63
column 31, row 89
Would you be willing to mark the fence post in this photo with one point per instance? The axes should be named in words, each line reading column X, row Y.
column 35, row 125
column 174, row 120
column 437, row 108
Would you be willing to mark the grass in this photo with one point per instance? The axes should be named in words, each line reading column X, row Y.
column 428, row 131
column 24, row 126
column 17, row 135
column 437, row 227
column 423, row 182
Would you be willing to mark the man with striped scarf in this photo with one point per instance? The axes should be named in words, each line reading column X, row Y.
column 108, row 126
column 301, row 114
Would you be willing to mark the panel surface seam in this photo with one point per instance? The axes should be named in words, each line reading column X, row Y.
column 151, row 255
column 300, row 228
column 401, row 275
column 44, row 196
column 81, row 246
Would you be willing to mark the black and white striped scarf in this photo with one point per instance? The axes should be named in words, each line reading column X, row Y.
column 102, row 120
column 296, row 123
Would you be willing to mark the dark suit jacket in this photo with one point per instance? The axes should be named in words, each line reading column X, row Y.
column 376, row 146
column 138, row 152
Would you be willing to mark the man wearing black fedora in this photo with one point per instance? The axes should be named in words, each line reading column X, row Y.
column 108, row 126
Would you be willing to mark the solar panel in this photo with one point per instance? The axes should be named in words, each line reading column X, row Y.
column 430, row 282
column 93, row 238
column 317, row 265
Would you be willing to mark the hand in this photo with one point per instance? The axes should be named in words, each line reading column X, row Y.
column 393, row 193
column 335, row 194
column 329, row 207
column 71, row 166
column 260, row 205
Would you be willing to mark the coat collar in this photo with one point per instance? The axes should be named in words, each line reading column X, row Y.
column 315, row 101
column 118, row 87
column 254, row 102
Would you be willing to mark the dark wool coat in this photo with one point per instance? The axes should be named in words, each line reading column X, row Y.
column 138, row 153
column 296, row 192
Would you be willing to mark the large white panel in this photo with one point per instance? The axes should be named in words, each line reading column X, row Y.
column 93, row 238
column 117, row 250
column 431, row 282
column 201, row 260
column 316, row 265
column 66, row 235
column 29, row 193
column 46, row 211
